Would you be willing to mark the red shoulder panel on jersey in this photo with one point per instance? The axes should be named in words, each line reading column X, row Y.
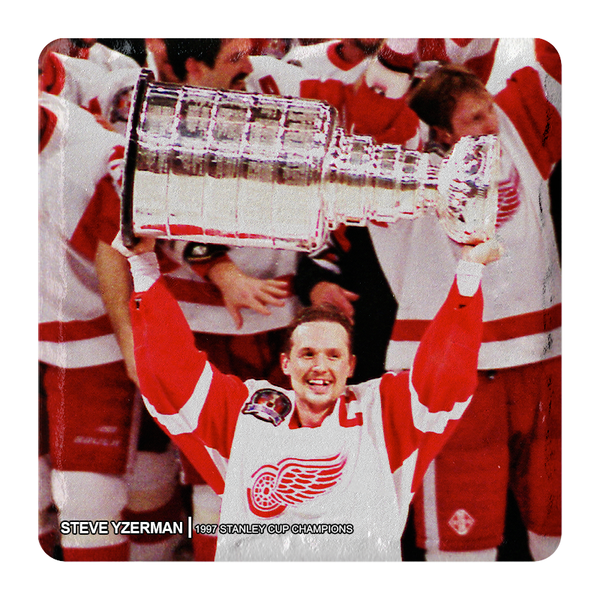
column 536, row 119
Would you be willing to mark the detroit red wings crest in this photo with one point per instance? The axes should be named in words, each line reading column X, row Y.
column 292, row 481
column 508, row 197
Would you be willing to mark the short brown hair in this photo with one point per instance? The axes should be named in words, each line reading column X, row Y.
column 434, row 99
column 321, row 312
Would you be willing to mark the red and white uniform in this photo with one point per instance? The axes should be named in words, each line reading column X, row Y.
column 521, row 338
column 101, row 88
column 523, row 305
column 522, row 315
column 110, row 59
column 79, row 162
column 511, row 56
column 360, row 468
column 323, row 61
column 203, row 305
column 361, row 110
column 477, row 54
column 76, row 186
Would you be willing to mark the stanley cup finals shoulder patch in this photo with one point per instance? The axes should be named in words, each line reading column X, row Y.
column 268, row 405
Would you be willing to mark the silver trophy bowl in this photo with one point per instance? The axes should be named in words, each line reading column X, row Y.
column 244, row 169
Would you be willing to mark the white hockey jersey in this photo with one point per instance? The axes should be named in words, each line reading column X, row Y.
column 78, row 167
column 522, row 317
column 92, row 85
column 340, row 491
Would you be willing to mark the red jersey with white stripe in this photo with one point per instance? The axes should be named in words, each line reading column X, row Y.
column 79, row 164
column 351, row 479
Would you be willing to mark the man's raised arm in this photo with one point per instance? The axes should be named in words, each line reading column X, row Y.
column 195, row 404
column 444, row 373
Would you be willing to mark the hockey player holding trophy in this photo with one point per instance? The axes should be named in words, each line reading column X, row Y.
column 323, row 470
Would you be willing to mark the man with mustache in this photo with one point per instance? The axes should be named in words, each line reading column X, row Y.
column 216, row 63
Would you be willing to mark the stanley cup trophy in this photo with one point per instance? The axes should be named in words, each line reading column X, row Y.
column 246, row 169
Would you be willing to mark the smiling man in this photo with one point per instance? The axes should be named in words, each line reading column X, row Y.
column 318, row 360
column 324, row 471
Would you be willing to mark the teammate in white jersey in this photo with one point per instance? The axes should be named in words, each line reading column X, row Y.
column 103, row 92
column 511, row 433
column 89, row 395
column 324, row 470
column 97, row 81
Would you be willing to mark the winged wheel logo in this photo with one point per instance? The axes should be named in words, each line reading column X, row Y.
column 292, row 481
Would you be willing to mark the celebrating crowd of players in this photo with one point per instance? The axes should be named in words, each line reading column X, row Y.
column 102, row 458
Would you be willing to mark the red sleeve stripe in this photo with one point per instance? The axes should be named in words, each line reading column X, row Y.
column 549, row 58
column 535, row 118
column 49, row 127
column 482, row 65
column 115, row 164
column 73, row 331
column 268, row 85
column 118, row 153
column 100, row 220
column 195, row 292
column 186, row 419
column 499, row 330
column 201, row 292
